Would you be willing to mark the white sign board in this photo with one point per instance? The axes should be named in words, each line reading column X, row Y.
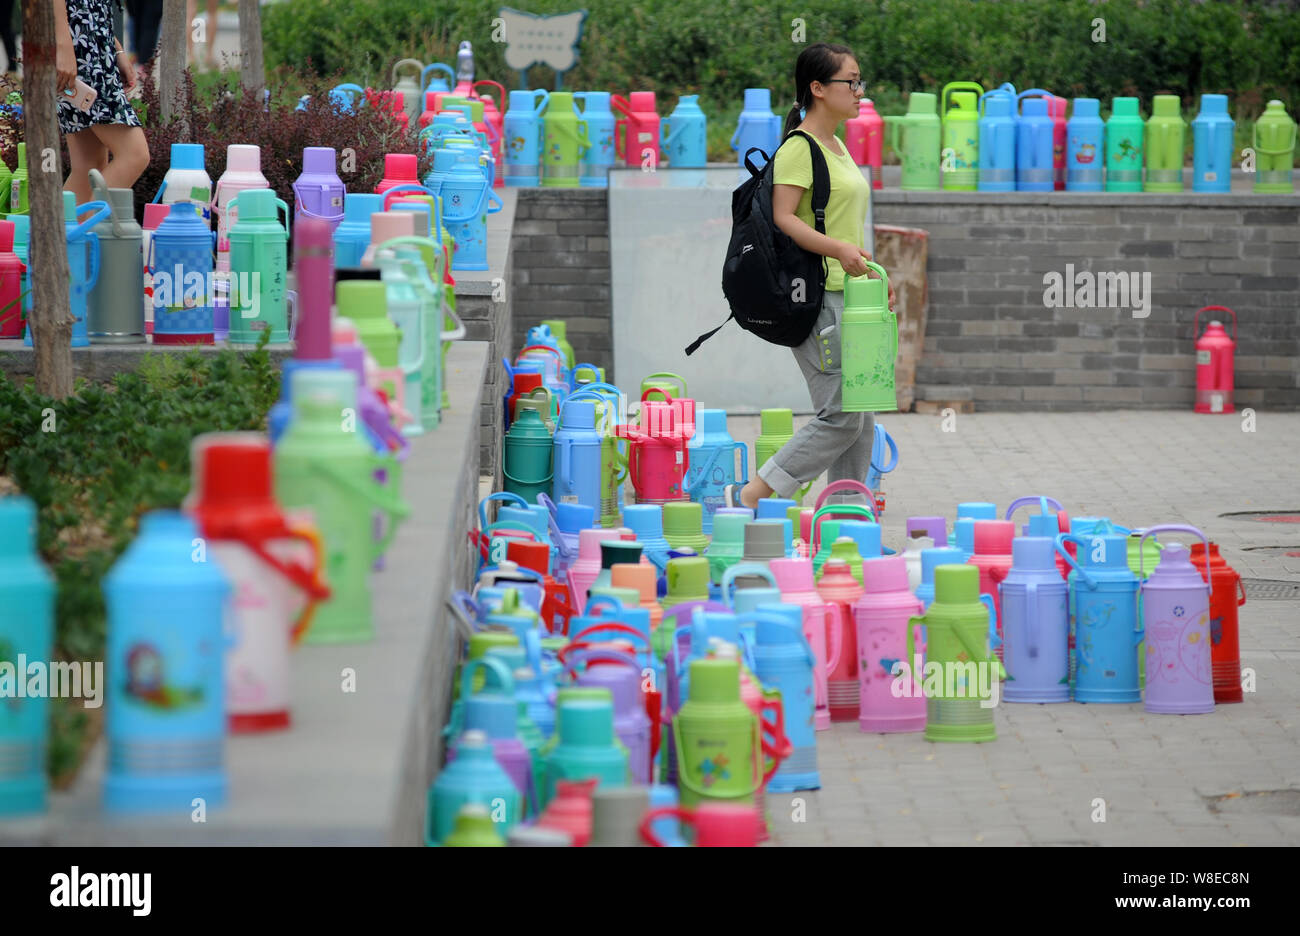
column 541, row 40
column 668, row 234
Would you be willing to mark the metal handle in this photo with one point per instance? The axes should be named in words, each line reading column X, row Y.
column 1196, row 322
column 1178, row 528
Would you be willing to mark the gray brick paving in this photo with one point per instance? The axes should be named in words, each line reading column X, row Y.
column 1035, row 785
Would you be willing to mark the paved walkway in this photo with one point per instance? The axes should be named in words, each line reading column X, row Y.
column 1039, row 782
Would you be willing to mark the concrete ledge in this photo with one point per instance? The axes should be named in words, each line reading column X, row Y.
column 355, row 767
column 100, row 362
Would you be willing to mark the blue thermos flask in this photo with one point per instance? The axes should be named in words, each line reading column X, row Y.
column 165, row 670
column 1212, row 145
column 1085, row 154
column 1103, row 605
column 26, row 636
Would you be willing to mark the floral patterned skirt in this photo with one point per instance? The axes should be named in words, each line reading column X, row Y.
column 91, row 22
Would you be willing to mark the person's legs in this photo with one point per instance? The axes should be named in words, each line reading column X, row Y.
column 7, row 34
column 130, row 151
column 85, row 152
column 833, row 439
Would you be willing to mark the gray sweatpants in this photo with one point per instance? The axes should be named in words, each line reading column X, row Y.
column 834, row 441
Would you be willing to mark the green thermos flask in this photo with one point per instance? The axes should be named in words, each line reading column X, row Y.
column 18, row 190
column 868, row 345
column 1274, row 143
column 960, row 156
column 259, row 263
column 719, row 746
column 959, row 706
column 1124, row 140
column 324, row 463
column 1166, row 134
column 529, row 449
column 365, row 303
column 919, row 148
column 564, row 140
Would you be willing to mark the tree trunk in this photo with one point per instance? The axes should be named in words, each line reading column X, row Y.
column 51, row 322
column 171, row 59
column 252, row 73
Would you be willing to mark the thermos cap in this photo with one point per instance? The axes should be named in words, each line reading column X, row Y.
column 956, row 584
column 715, row 679
column 934, row 527
column 243, row 157
column 922, row 102
column 884, row 574
column 360, row 300
column 998, row 105
column 69, row 207
column 403, row 166
column 688, row 577
column 758, row 99
column 865, row 293
column 482, row 641
column 513, row 656
column 774, row 507
column 1033, row 553
column 445, row 158
column 618, row 551
column 1033, row 107
column 257, row 205
column 322, row 394
column 864, row 533
column 187, row 156
column 793, row 575
column 586, row 722
column 578, row 414
column 777, row 421
column 231, row 486
column 629, row 598
column 385, row 225
column 1124, row 107
column 642, row 100
column 993, row 537
column 640, row 577
column 931, row 559
column 573, row 518
column 616, row 814
column 1112, row 555
column 962, row 101
column 1166, row 105
column 359, row 206
column 729, row 528
column 980, row 510
column 710, row 421
column 645, row 520
column 1087, row 107
column 535, row 556
column 682, row 518
column 764, row 540
column 318, row 160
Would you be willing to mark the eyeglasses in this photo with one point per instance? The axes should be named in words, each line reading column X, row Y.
column 855, row 84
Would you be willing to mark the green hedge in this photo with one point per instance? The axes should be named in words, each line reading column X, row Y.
column 716, row 48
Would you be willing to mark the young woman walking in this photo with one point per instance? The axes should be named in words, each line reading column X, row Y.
column 829, row 86
column 87, row 50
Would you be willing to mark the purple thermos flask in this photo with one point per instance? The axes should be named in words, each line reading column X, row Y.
column 1176, row 615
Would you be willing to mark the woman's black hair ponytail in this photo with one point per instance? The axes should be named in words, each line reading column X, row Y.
column 819, row 62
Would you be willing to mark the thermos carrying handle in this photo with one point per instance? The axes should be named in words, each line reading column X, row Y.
column 92, row 251
column 1042, row 499
column 1288, row 149
column 956, row 86
column 101, row 211
column 893, row 451
column 994, row 640
column 676, row 378
column 465, row 612
column 743, row 568
column 831, row 510
column 1036, row 92
column 846, row 484
column 504, row 496
column 1196, row 322
column 407, row 61
column 394, row 508
column 1061, row 540
column 436, row 66
column 1178, row 528
column 587, row 652
column 647, row 822
column 307, row 212
column 833, row 610
column 401, row 189
column 494, row 666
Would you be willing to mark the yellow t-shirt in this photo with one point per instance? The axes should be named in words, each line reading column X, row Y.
column 846, row 212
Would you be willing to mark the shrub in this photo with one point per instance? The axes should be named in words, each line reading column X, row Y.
column 117, row 452
column 223, row 113
column 717, row 48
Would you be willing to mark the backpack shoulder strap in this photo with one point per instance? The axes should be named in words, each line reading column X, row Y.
column 821, row 192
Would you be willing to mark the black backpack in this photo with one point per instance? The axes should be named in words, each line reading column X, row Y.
column 765, row 266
